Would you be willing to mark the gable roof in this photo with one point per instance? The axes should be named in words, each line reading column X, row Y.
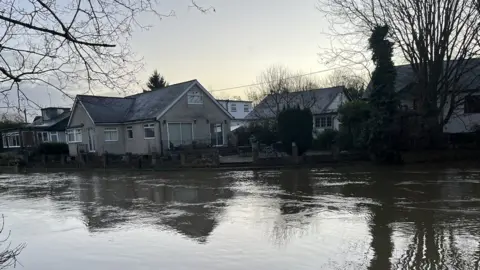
column 406, row 77
column 143, row 106
column 318, row 100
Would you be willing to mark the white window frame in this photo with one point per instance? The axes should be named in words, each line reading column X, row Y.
column 77, row 135
column 9, row 139
column 129, row 128
column 195, row 94
column 113, row 131
column 53, row 133
column 148, row 126
column 246, row 108
column 233, row 107
column 323, row 122
column 44, row 136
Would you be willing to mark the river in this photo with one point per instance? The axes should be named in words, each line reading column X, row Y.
column 391, row 218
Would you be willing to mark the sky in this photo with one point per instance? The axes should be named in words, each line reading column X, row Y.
column 226, row 48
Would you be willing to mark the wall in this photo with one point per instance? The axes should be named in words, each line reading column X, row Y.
column 240, row 113
column 140, row 145
column 184, row 112
column 461, row 122
column 112, row 147
column 79, row 116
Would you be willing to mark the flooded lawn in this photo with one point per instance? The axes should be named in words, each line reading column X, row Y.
column 318, row 219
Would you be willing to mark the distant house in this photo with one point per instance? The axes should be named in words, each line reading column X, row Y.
column 154, row 121
column 466, row 116
column 322, row 102
column 49, row 127
column 239, row 109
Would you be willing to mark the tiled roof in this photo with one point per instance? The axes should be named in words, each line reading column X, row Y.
column 317, row 100
column 142, row 106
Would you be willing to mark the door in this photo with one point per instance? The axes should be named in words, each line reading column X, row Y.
column 91, row 140
column 180, row 134
column 216, row 134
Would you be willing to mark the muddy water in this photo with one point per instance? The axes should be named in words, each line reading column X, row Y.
column 318, row 219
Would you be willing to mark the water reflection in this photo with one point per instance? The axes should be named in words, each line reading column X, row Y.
column 192, row 211
column 332, row 219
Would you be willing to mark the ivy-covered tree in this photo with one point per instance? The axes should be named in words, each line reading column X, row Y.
column 380, row 133
column 156, row 81
column 295, row 125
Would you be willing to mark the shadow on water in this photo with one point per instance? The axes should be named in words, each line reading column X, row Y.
column 414, row 219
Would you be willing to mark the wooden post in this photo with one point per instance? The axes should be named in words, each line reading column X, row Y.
column 44, row 160
column 295, row 153
column 105, row 159
column 255, row 152
column 154, row 158
column 335, row 151
column 62, row 159
column 182, row 159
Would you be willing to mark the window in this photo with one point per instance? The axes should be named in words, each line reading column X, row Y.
column 129, row 132
column 472, row 104
column 11, row 140
column 180, row 134
column 54, row 136
column 149, row 130
column 111, row 134
column 195, row 97
column 233, row 107
column 246, row 108
column 323, row 122
column 42, row 137
column 74, row 135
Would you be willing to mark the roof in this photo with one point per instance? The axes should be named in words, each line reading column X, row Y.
column 317, row 100
column 233, row 100
column 406, row 77
column 53, row 123
column 138, row 107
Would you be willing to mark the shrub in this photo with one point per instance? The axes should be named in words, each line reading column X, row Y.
column 295, row 125
column 324, row 140
column 53, row 149
column 264, row 132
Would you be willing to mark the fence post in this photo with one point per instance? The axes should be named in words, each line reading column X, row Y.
column 295, row 153
column 182, row 158
column 255, row 151
column 105, row 159
column 154, row 158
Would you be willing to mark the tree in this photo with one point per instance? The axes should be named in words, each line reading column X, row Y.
column 70, row 43
column 353, row 115
column 281, row 85
column 295, row 125
column 380, row 130
column 156, row 81
column 437, row 38
column 353, row 83
column 8, row 256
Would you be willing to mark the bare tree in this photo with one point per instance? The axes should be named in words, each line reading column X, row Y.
column 437, row 38
column 278, row 87
column 354, row 84
column 8, row 255
column 67, row 44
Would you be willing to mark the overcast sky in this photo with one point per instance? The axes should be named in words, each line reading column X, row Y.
column 226, row 48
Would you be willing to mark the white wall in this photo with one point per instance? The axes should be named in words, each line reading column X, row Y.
column 461, row 122
column 240, row 113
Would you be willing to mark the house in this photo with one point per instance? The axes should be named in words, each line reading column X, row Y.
column 466, row 115
column 49, row 127
column 239, row 109
column 180, row 114
column 323, row 103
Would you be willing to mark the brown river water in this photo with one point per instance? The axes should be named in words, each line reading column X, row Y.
column 390, row 218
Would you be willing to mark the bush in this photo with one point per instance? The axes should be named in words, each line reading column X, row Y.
column 264, row 133
column 295, row 125
column 324, row 140
column 53, row 149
